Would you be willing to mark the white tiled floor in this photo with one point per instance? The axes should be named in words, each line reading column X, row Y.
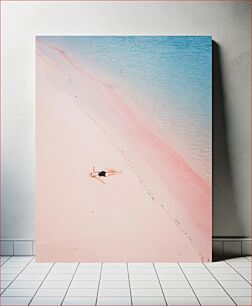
column 25, row 282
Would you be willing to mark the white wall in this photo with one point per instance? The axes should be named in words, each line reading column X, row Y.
column 227, row 22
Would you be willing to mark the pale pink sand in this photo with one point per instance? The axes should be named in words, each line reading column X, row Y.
column 158, row 209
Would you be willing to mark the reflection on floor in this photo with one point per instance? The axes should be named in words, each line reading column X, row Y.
column 25, row 282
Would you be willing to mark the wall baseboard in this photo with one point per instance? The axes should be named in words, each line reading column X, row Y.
column 223, row 247
column 17, row 247
column 228, row 247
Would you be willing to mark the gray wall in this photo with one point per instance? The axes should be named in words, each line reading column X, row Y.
column 227, row 22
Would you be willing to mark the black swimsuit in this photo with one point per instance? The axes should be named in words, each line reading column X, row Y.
column 102, row 173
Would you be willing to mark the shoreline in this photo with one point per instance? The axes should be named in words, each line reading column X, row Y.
column 142, row 115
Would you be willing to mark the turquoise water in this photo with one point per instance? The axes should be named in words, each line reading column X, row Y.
column 170, row 76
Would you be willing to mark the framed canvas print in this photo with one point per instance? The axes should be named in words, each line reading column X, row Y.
column 124, row 148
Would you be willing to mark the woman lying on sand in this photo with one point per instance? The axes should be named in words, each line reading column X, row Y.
column 98, row 174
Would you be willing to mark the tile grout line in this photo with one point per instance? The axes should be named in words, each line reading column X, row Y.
column 1, row 266
column 115, row 280
column 160, row 283
column 190, row 284
column 41, row 283
column 9, row 257
column 238, row 273
column 131, row 298
column 96, row 300
column 220, row 283
column 70, row 283
column 16, row 276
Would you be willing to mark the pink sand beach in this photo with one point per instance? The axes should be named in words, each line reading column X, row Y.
column 158, row 209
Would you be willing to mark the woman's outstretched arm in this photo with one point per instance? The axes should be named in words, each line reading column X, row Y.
column 99, row 179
